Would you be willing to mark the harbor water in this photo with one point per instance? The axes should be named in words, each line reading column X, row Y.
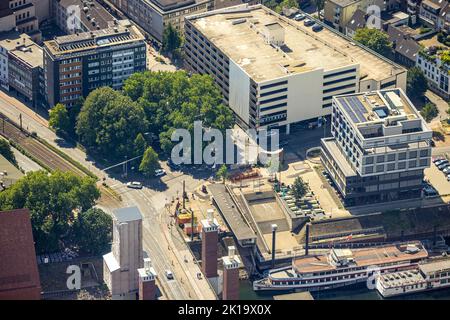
column 355, row 292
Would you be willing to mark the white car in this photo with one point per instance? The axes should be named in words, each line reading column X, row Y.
column 169, row 275
column 134, row 185
column 448, row 177
column 446, row 170
column 160, row 172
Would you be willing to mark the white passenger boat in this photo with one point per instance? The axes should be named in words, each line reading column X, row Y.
column 431, row 275
column 342, row 267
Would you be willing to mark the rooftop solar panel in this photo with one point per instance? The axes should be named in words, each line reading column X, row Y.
column 358, row 108
column 347, row 108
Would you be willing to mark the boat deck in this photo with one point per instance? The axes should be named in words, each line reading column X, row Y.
column 362, row 258
column 401, row 278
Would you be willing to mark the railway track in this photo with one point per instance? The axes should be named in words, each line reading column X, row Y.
column 36, row 149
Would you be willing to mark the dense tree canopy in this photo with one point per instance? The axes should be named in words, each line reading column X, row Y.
column 416, row 83
column 92, row 231
column 174, row 100
column 109, row 122
column 53, row 200
column 374, row 39
column 5, row 150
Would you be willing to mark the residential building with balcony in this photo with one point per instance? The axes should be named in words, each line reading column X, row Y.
column 379, row 149
column 413, row 9
column 74, row 65
column 435, row 65
column 274, row 71
column 430, row 12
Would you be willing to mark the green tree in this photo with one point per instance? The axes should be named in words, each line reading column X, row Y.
column 109, row 123
column 320, row 4
column 271, row 4
column 172, row 39
column 59, row 119
column 53, row 200
column 416, row 83
column 149, row 162
column 299, row 188
column 140, row 145
column 5, row 150
column 286, row 4
column 222, row 173
column 429, row 112
column 374, row 39
column 92, row 231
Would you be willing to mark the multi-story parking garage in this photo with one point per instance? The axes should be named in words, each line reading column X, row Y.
column 274, row 71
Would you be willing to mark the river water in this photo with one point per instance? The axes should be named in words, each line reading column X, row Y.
column 355, row 292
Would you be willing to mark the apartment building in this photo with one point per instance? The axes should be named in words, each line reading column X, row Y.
column 7, row 19
column 73, row 16
column 21, row 63
column 154, row 15
column 274, row 71
column 435, row 65
column 379, row 149
column 26, row 20
column 338, row 13
column 74, row 65
column 413, row 9
column 434, row 13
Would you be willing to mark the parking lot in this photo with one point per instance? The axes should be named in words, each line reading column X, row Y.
column 438, row 179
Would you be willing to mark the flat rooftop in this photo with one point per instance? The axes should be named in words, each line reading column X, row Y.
column 73, row 43
column 331, row 145
column 32, row 54
column 440, row 265
column 377, row 106
column 238, row 32
column 230, row 213
column 362, row 258
column 94, row 16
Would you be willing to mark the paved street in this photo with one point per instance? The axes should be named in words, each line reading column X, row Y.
column 150, row 202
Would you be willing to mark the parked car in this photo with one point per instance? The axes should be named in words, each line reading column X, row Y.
column 134, row 185
column 437, row 159
column 448, row 177
column 308, row 22
column 440, row 162
column 299, row 17
column 317, row 27
column 443, row 166
column 429, row 191
column 446, row 170
column 169, row 275
column 160, row 172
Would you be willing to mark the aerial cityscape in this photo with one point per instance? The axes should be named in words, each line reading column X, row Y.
column 224, row 150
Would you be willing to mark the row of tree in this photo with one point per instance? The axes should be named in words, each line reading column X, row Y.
column 62, row 213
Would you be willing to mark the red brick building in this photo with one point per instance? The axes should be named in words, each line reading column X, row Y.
column 210, row 238
column 19, row 276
